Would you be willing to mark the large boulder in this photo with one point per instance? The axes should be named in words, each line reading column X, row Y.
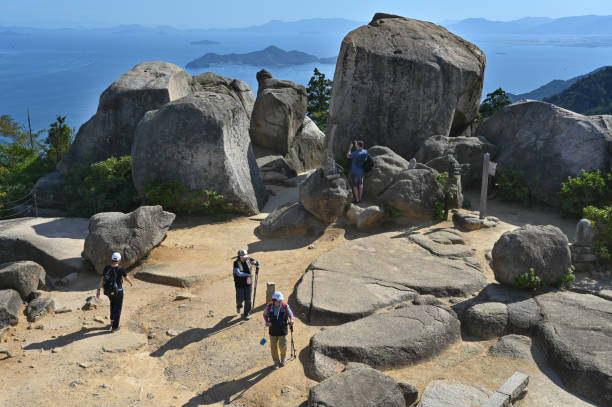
column 487, row 320
column 54, row 243
column 234, row 88
column 543, row 248
column 576, row 335
column 401, row 337
column 290, row 219
column 306, row 149
column 10, row 302
column 414, row 193
column 133, row 235
column 110, row 132
column 466, row 150
column 50, row 191
column 278, row 113
column 324, row 195
column 39, row 307
column 361, row 386
column 386, row 170
column 450, row 393
column 22, row 276
column 202, row 142
column 399, row 81
column 548, row 144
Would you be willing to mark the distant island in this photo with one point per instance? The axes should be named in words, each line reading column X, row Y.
column 204, row 42
column 270, row 56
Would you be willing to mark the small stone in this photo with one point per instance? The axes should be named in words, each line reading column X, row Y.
column 150, row 396
column 182, row 306
column 311, row 247
column 171, row 332
column 55, row 350
column 31, row 366
column 105, row 386
column 85, row 365
column 211, row 313
column 62, row 310
column 99, row 319
column 76, row 383
column 152, row 335
column 184, row 296
column 39, row 327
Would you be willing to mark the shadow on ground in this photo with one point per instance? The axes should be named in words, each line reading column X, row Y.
column 68, row 339
column 229, row 391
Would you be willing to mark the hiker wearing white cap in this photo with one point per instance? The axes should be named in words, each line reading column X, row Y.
column 278, row 317
column 112, row 282
column 243, row 281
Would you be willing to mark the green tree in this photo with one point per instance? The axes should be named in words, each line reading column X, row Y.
column 59, row 138
column 12, row 130
column 319, row 95
column 494, row 102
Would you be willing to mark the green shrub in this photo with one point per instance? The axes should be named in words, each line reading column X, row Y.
column 528, row 281
column 392, row 211
column 587, row 189
column 439, row 210
column 176, row 197
column 512, row 187
column 567, row 278
column 440, row 188
column 602, row 224
column 103, row 186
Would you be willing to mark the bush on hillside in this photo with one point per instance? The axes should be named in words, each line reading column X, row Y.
column 602, row 223
column 587, row 189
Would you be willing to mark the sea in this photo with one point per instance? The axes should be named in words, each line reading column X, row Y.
column 63, row 72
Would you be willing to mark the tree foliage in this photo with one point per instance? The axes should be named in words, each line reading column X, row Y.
column 590, row 95
column 319, row 95
column 59, row 139
column 493, row 102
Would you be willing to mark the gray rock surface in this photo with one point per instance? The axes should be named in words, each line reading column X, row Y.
column 361, row 386
column 472, row 221
column 92, row 302
column 290, row 219
column 275, row 169
column 366, row 274
column 386, row 170
column 324, row 196
column 54, row 243
column 10, row 302
column 364, row 217
column 512, row 346
column 576, row 335
column 234, row 88
column 548, row 144
column 450, row 393
column 306, row 149
column 278, row 113
column 168, row 274
column 39, row 307
column 110, row 132
column 584, row 233
column 22, row 276
column 209, row 151
column 543, row 248
column 413, row 193
column 487, row 320
column 465, row 150
column 50, row 192
column 133, row 235
column 445, row 236
column 401, row 337
column 383, row 67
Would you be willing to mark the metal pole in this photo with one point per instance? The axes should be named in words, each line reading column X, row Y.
column 35, row 205
column 484, row 186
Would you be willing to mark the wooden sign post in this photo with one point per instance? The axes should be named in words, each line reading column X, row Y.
column 484, row 186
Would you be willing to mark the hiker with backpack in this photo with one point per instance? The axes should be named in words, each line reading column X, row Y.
column 279, row 318
column 243, row 281
column 112, row 283
column 358, row 159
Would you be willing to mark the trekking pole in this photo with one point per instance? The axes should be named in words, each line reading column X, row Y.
column 255, row 287
column 292, row 343
column 263, row 340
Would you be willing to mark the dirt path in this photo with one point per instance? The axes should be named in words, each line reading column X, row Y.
column 215, row 358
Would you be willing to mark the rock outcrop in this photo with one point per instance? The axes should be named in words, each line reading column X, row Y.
column 133, row 235
column 209, row 151
column 10, row 302
column 450, row 393
column 306, row 149
column 548, row 144
column 385, row 67
column 278, row 113
column 325, row 196
column 543, row 248
column 22, row 276
column 290, row 219
column 110, row 132
column 40, row 307
column 233, row 88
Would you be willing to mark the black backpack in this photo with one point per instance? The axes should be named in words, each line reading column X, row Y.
column 368, row 163
column 110, row 280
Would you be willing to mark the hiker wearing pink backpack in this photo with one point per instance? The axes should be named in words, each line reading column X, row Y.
column 279, row 318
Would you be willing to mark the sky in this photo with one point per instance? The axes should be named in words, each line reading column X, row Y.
column 242, row 13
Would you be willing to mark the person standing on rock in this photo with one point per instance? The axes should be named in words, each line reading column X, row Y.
column 357, row 158
column 112, row 282
column 278, row 317
column 243, row 281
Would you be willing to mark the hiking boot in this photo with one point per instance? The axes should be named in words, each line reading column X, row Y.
column 115, row 330
column 276, row 365
column 247, row 316
column 238, row 309
column 283, row 362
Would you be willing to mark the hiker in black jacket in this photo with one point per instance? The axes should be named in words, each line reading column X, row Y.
column 243, row 281
column 112, row 282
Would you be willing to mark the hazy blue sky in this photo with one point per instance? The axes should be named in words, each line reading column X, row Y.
column 240, row 13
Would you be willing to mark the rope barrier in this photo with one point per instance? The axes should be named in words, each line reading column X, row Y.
column 17, row 206
column 16, row 214
column 20, row 199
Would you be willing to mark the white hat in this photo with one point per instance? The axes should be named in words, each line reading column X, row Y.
column 278, row 296
column 242, row 253
column 116, row 257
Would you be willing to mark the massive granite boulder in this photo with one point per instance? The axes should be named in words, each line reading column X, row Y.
column 10, row 302
column 133, row 235
column 325, row 195
column 399, row 81
column 110, row 132
column 306, row 148
column 548, row 144
column 202, row 142
column 278, row 113
column 543, row 248
column 466, row 150
column 22, row 276
column 234, row 88
column 290, row 219
column 50, row 191
column 386, row 169
column 360, row 385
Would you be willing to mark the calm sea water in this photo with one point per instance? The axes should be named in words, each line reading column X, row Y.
column 64, row 72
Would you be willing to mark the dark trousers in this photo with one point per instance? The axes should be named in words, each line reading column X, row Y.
column 116, row 303
column 243, row 294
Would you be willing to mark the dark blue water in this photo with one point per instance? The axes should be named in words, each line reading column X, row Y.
column 64, row 72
